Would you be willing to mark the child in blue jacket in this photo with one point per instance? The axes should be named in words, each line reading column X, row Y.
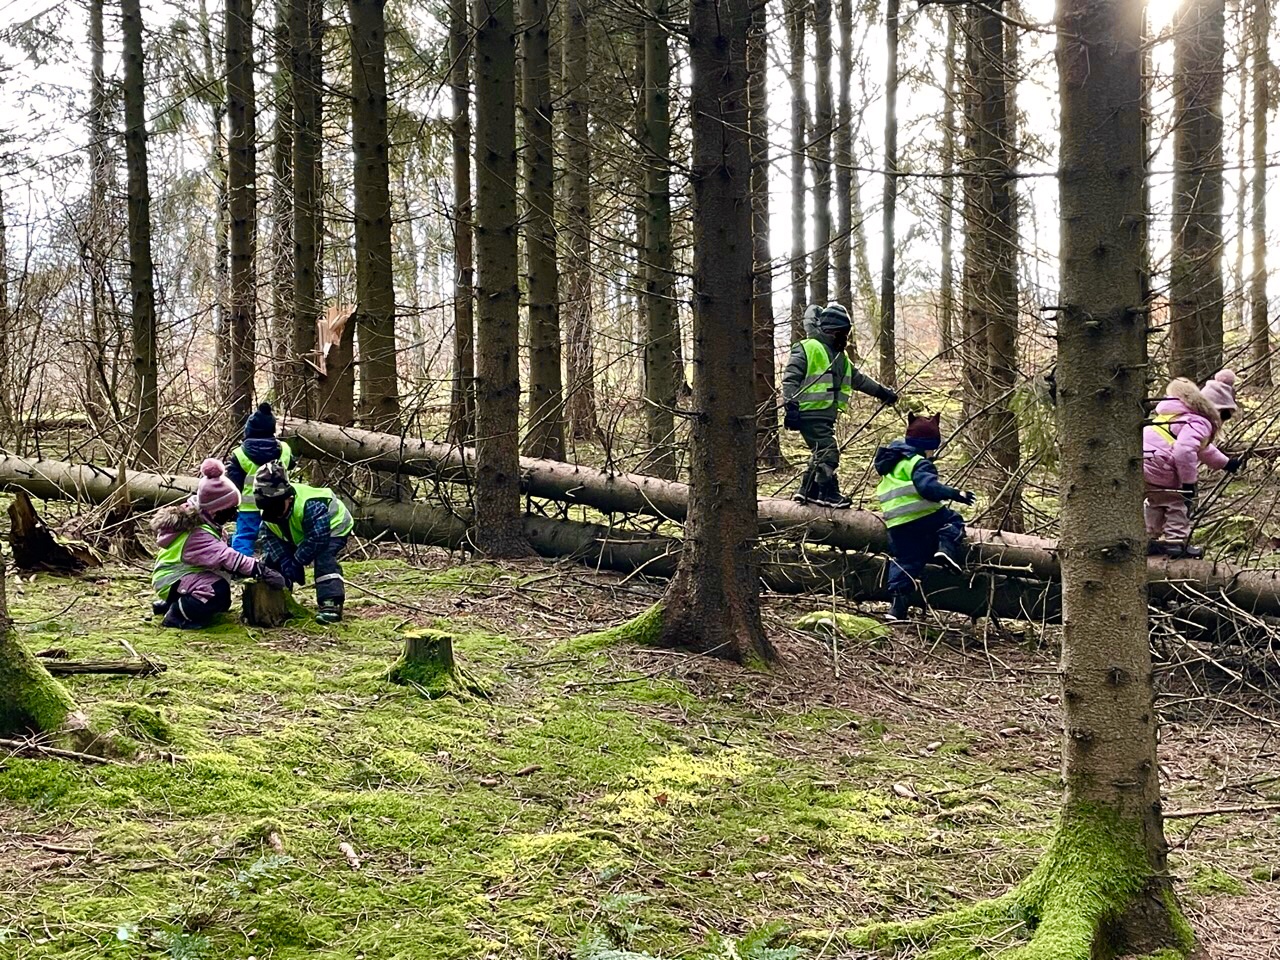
column 260, row 447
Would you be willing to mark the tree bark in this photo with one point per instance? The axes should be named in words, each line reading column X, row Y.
column 580, row 336
column 375, row 316
column 1259, row 305
column 660, row 383
column 1109, row 745
column 31, row 701
column 795, row 12
column 146, row 432
column 888, row 271
column 1242, row 173
column 213, row 73
column 265, row 606
column 842, row 251
column 820, row 274
column 98, row 386
column 992, row 244
column 282, row 298
column 462, row 415
column 946, row 320
column 242, row 201
column 768, row 447
column 1195, row 276
column 544, row 435
column 305, row 52
column 497, row 492
column 975, row 384
column 713, row 603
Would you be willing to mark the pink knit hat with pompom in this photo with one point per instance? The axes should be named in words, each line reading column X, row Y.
column 215, row 492
column 1221, row 390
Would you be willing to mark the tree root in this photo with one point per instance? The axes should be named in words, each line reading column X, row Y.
column 641, row 630
column 1091, row 896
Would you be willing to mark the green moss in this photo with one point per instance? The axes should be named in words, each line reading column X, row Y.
column 847, row 625
column 433, row 672
column 134, row 720
column 1214, row 880
column 642, row 630
column 31, row 701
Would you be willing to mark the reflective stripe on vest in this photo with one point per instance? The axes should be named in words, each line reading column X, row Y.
column 247, row 501
column 170, row 567
column 818, row 391
column 341, row 523
column 900, row 501
column 1162, row 423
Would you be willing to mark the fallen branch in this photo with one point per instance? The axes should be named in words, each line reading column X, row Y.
column 19, row 747
column 134, row 668
column 1219, row 811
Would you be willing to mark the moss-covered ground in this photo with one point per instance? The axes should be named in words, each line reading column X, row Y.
column 603, row 797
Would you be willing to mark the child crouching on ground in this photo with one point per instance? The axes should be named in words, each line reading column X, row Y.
column 911, row 495
column 302, row 526
column 193, row 571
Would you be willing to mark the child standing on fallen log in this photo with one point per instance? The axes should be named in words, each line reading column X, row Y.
column 1179, row 438
column 259, row 448
column 193, row 571
column 816, row 386
column 911, row 497
column 304, row 526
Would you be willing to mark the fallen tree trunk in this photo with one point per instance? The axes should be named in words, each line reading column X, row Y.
column 856, row 576
column 1034, row 557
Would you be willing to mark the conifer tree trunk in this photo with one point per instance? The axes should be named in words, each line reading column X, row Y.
column 946, row 320
column 768, row 448
column 1112, row 799
column 141, row 273
column 795, row 13
column 1242, row 173
column 305, row 54
column 375, row 316
column 282, row 204
column 1259, row 305
column 842, row 250
column 580, row 336
column 713, row 603
column 242, row 202
column 545, row 423
column 213, row 69
column 994, row 247
column 660, row 305
column 1195, row 277
column 497, row 492
column 462, row 417
column 975, row 384
column 820, row 274
column 97, row 385
column 888, row 270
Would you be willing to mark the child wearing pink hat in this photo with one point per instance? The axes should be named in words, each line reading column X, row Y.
column 193, row 571
column 1179, row 438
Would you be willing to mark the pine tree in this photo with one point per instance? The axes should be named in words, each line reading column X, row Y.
column 242, row 202
column 1259, row 305
column 462, row 413
column 282, row 298
column 795, row 14
column 305, row 59
column 823, row 114
column 888, row 266
column 947, row 316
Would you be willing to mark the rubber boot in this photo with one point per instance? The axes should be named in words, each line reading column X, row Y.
column 808, row 488
column 1181, row 551
column 951, row 557
column 900, row 608
column 330, row 610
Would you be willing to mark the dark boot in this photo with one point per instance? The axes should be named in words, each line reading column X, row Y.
column 160, row 607
column 900, row 608
column 1181, row 551
column 950, row 556
column 1157, row 548
column 829, row 494
column 808, row 488
column 330, row 610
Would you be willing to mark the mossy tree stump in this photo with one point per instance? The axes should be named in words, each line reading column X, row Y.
column 31, row 701
column 428, row 665
column 265, row 606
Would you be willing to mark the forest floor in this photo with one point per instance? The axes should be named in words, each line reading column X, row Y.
column 601, row 797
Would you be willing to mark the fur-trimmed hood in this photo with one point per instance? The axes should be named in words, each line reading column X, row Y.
column 172, row 521
column 1183, row 396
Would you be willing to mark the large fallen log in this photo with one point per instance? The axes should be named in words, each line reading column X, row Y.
column 853, row 575
column 1036, row 558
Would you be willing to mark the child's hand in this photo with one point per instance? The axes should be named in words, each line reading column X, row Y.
column 293, row 572
column 791, row 417
column 967, row 497
column 270, row 576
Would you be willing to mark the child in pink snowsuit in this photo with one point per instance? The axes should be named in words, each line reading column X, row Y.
column 1179, row 439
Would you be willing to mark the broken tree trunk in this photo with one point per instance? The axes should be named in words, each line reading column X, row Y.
column 428, row 665
column 146, row 667
column 1033, row 557
column 266, row 606
column 36, row 548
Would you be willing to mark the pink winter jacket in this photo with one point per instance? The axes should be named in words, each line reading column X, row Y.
column 216, row 560
column 1167, row 466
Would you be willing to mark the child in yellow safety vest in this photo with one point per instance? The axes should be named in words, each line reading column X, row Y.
column 260, row 447
column 1178, row 439
column 193, row 570
column 911, row 499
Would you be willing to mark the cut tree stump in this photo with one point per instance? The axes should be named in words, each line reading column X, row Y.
column 266, row 606
column 36, row 548
column 428, row 666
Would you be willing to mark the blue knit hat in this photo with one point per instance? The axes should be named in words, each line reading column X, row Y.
column 834, row 318
column 261, row 424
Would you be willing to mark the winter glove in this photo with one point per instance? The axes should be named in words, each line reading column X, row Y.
column 967, row 497
column 1234, row 464
column 293, row 573
column 1189, row 495
column 887, row 395
column 269, row 575
column 791, row 416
